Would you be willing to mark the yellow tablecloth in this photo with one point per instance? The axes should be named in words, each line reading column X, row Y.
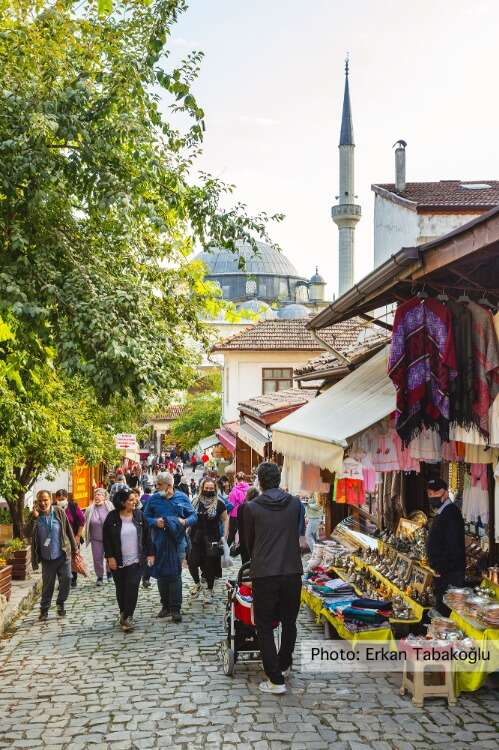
column 314, row 603
column 488, row 641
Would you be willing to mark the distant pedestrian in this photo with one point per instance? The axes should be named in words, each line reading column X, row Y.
column 76, row 521
column 237, row 496
column 205, row 458
column 194, row 462
column 272, row 525
column 314, row 513
column 146, row 573
column 193, row 487
column 118, row 484
column 127, row 546
column 52, row 545
column 95, row 515
column 205, row 553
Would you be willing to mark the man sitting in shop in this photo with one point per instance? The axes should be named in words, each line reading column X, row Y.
column 272, row 525
column 446, row 553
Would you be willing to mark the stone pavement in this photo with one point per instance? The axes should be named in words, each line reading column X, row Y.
column 79, row 683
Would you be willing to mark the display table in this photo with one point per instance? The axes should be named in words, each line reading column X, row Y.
column 316, row 605
column 488, row 640
column 417, row 608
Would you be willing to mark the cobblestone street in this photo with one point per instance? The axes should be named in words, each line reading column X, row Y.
column 79, row 683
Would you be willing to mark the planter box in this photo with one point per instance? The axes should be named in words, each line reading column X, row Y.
column 6, row 581
column 6, row 532
column 21, row 564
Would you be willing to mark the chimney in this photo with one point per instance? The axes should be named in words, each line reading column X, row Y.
column 400, row 166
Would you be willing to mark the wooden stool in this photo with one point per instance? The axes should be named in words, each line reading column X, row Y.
column 441, row 686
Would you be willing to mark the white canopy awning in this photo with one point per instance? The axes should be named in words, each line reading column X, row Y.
column 318, row 433
column 254, row 436
column 208, row 442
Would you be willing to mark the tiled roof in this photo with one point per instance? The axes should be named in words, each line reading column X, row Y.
column 174, row 411
column 285, row 335
column 233, row 427
column 356, row 354
column 448, row 194
column 269, row 402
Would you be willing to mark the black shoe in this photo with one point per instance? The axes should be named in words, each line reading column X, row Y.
column 43, row 616
column 60, row 610
column 73, row 583
column 176, row 617
column 127, row 624
column 99, row 582
column 146, row 584
column 164, row 613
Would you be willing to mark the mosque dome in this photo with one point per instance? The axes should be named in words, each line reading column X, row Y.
column 267, row 274
column 258, row 307
column 291, row 312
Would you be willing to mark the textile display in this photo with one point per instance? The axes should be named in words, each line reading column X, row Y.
column 421, row 365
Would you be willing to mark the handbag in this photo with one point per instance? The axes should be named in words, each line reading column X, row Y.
column 78, row 564
column 212, row 548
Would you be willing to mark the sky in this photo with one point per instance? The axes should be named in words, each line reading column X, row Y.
column 271, row 85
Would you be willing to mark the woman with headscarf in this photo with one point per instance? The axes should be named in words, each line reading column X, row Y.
column 95, row 515
column 205, row 553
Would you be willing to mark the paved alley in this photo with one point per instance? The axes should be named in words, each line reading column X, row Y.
column 81, row 683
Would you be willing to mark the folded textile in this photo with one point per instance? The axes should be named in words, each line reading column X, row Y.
column 371, row 603
column 364, row 615
column 337, row 583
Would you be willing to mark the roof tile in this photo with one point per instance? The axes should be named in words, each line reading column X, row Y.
column 269, row 402
column 285, row 335
column 463, row 194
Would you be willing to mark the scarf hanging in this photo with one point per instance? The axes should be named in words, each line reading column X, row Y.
column 209, row 504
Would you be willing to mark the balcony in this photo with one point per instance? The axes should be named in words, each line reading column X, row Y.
column 346, row 211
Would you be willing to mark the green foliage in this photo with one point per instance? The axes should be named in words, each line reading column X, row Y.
column 99, row 214
column 202, row 413
column 5, row 517
column 16, row 545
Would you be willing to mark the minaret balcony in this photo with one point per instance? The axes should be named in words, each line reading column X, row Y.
column 346, row 211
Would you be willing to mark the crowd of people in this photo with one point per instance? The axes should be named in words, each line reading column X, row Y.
column 150, row 522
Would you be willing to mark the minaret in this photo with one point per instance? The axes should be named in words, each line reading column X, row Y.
column 346, row 213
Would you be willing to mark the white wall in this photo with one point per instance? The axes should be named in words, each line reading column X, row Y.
column 243, row 375
column 396, row 226
column 61, row 481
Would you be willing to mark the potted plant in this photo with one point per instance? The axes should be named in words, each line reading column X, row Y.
column 18, row 554
column 6, row 530
column 5, row 578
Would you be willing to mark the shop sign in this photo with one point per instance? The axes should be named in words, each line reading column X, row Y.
column 125, row 440
column 81, row 484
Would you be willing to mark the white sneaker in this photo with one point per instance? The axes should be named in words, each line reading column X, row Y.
column 196, row 590
column 268, row 687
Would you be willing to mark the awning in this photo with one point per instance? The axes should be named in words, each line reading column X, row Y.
column 226, row 439
column 256, row 437
column 208, row 442
column 318, row 433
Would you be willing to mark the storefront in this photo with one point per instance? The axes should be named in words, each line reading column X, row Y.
column 424, row 407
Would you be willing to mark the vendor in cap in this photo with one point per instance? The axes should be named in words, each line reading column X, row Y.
column 446, row 553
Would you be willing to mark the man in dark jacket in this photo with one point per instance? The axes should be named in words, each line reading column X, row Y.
column 52, row 545
column 272, row 523
column 446, row 552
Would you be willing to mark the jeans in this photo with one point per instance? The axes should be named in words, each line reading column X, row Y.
column 276, row 598
column 52, row 569
column 170, row 592
column 127, row 582
column 311, row 530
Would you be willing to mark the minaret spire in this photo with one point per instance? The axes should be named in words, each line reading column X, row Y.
column 346, row 213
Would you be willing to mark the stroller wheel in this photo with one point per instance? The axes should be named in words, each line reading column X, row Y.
column 228, row 660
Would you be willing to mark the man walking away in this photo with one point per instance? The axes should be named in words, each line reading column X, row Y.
column 446, row 551
column 272, row 523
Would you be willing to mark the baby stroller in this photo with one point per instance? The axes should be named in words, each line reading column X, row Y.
column 241, row 639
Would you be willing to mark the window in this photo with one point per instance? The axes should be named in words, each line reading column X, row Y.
column 276, row 379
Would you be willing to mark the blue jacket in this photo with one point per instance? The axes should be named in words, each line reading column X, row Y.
column 178, row 506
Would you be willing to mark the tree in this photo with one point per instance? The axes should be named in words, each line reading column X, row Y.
column 202, row 413
column 98, row 207
column 99, row 212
